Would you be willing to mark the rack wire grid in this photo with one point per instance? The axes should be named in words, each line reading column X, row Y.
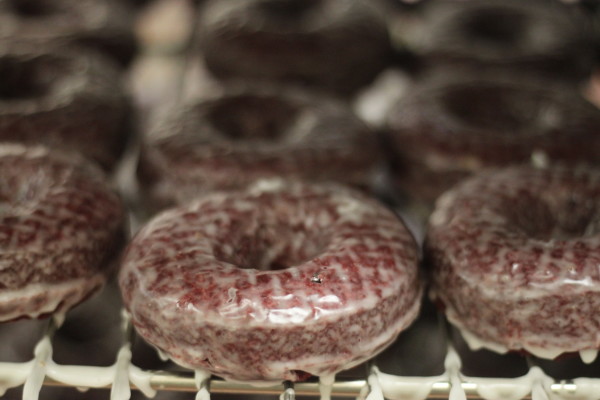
column 379, row 379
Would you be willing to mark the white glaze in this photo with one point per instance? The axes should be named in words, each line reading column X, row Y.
column 33, row 373
column 288, row 394
column 587, row 388
column 325, row 386
column 476, row 343
column 35, row 380
column 588, row 356
column 453, row 365
column 68, row 293
column 406, row 388
column 201, row 378
column 375, row 392
column 120, row 389
column 535, row 382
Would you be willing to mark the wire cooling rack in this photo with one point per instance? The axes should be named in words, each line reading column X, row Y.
column 378, row 382
column 122, row 377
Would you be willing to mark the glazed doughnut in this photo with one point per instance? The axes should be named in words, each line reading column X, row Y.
column 105, row 25
column 272, row 282
column 64, row 98
column 514, row 255
column 451, row 125
column 543, row 37
column 59, row 228
column 229, row 140
column 335, row 46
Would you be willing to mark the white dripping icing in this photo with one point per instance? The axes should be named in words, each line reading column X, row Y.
column 288, row 394
column 375, row 392
column 587, row 388
column 476, row 343
column 513, row 388
column 407, row 388
column 33, row 372
column 364, row 392
column 121, row 389
column 540, row 384
column 162, row 355
column 141, row 379
column 35, row 380
column 453, row 364
column 201, row 378
column 13, row 374
column 326, row 385
column 588, row 356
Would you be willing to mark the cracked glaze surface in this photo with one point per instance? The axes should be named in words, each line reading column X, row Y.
column 515, row 256
column 60, row 224
column 274, row 282
column 226, row 141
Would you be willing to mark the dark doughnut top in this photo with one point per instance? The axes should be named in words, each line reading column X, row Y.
column 336, row 46
column 105, row 25
column 243, row 135
column 62, row 97
column 462, row 123
column 546, row 37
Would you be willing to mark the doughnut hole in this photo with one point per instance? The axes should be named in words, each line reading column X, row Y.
column 31, row 78
column 33, row 8
column 269, row 245
column 494, row 108
column 496, row 27
column 287, row 11
column 255, row 118
column 562, row 218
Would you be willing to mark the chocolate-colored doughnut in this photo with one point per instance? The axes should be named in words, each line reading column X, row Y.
column 451, row 125
column 336, row 46
column 60, row 228
column 62, row 97
column 106, row 25
column 538, row 36
column 225, row 142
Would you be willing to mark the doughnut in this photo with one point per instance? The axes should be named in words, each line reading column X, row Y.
column 104, row 25
column 334, row 46
column 228, row 140
column 540, row 37
column 514, row 255
column 451, row 125
column 62, row 97
column 276, row 281
column 60, row 226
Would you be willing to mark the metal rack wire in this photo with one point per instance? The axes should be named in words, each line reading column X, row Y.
column 123, row 376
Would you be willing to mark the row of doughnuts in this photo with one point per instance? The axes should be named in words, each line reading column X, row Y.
column 453, row 122
column 63, row 125
column 67, row 91
column 327, row 264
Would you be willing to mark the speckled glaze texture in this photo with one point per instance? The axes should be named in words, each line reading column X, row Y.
column 104, row 25
column 277, row 282
column 60, row 226
column 550, row 39
column 227, row 141
column 452, row 125
column 63, row 98
column 335, row 46
column 515, row 258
